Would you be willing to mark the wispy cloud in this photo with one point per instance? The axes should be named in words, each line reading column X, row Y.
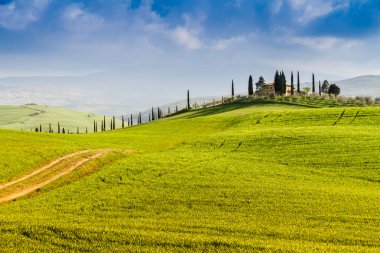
column 76, row 18
column 17, row 15
column 323, row 43
column 309, row 10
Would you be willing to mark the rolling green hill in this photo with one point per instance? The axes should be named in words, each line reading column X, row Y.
column 236, row 177
column 28, row 117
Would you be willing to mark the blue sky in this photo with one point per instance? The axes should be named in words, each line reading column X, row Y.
column 173, row 45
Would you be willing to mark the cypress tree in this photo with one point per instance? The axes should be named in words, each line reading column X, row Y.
column 59, row 128
column 40, row 128
column 111, row 125
column 298, row 83
column 104, row 123
column 122, row 121
column 283, row 83
column 250, row 85
column 49, row 127
column 176, row 108
column 131, row 119
column 114, row 123
column 168, row 110
column 313, row 84
column 63, row 130
column 292, row 84
column 232, row 89
column 94, row 126
column 188, row 100
column 153, row 114
column 277, row 83
column 102, row 126
column 320, row 88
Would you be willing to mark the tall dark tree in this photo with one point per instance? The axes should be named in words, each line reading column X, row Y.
column 63, row 130
column 277, row 83
column 94, row 126
column 250, row 86
column 102, row 126
column 159, row 116
column 111, row 125
column 153, row 114
column 122, row 121
column 49, row 127
column 260, row 83
column 334, row 90
column 313, row 84
column 232, row 89
column 298, row 83
column 40, row 128
column 131, row 119
column 104, row 123
column 114, row 123
column 176, row 108
column 320, row 88
column 188, row 100
column 291, row 84
column 325, row 87
column 282, row 83
column 59, row 128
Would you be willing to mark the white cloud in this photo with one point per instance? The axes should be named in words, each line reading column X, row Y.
column 226, row 43
column 188, row 34
column 185, row 37
column 77, row 19
column 310, row 10
column 323, row 43
column 277, row 5
column 19, row 14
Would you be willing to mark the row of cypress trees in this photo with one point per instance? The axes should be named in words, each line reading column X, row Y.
column 280, row 85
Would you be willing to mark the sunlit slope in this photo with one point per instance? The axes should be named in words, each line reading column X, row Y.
column 233, row 178
column 28, row 117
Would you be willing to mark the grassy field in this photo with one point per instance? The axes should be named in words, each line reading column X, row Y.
column 28, row 117
column 236, row 177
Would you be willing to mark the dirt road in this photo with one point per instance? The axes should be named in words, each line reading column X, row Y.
column 31, row 186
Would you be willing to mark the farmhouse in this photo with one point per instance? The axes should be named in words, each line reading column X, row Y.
column 268, row 90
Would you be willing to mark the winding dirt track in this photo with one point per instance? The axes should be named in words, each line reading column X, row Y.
column 21, row 192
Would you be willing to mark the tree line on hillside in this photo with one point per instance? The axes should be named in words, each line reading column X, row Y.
column 280, row 87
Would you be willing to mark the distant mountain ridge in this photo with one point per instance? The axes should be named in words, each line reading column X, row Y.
column 366, row 85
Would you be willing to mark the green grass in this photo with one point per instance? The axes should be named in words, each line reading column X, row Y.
column 236, row 177
column 28, row 117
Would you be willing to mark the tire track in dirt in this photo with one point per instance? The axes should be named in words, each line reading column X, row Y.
column 18, row 193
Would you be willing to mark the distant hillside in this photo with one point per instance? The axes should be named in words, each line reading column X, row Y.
column 28, row 117
column 368, row 85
